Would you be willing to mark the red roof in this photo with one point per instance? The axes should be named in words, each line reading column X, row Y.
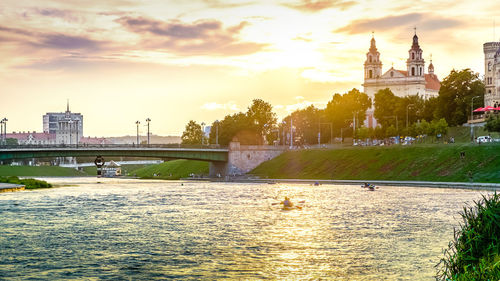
column 431, row 80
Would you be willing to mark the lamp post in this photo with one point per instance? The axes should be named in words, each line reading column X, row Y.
column 137, row 123
column 70, row 122
column 291, row 132
column 283, row 128
column 471, row 118
column 407, row 116
column 148, row 120
column 5, row 129
column 217, row 132
column 202, row 132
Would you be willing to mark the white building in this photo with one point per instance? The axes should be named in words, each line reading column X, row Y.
column 412, row 81
column 33, row 138
column 66, row 126
column 492, row 74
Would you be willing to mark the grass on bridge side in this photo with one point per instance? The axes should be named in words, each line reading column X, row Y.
column 172, row 170
column 408, row 163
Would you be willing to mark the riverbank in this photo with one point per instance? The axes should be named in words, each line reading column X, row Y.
column 8, row 187
column 428, row 163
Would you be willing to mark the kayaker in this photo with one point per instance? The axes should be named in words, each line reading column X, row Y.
column 287, row 202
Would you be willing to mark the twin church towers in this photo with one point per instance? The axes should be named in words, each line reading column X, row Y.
column 412, row 81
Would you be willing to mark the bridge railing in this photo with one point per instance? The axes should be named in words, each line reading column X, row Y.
column 85, row 145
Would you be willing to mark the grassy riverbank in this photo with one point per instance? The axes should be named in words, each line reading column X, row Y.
column 28, row 183
column 417, row 163
column 39, row 171
column 173, row 170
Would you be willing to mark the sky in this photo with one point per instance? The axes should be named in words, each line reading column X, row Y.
column 119, row 61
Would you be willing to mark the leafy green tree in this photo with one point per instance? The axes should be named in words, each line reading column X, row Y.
column 439, row 127
column 492, row 124
column 455, row 96
column 261, row 117
column 391, row 131
column 307, row 123
column 11, row 141
column 192, row 134
column 341, row 110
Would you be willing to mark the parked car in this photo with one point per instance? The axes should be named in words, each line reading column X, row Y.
column 483, row 139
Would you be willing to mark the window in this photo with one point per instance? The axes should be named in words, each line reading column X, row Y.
column 412, row 56
column 392, row 73
column 420, row 71
column 370, row 58
column 489, row 66
column 370, row 74
column 413, row 71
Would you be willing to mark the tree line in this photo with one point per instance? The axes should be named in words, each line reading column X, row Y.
column 345, row 113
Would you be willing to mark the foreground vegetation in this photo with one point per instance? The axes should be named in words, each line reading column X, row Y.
column 474, row 254
column 419, row 163
column 172, row 170
column 28, row 183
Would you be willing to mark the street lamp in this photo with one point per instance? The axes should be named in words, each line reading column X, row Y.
column 407, row 116
column 5, row 129
column 471, row 118
column 148, row 120
column 203, row 132
column 137, row 123
column 217, row 132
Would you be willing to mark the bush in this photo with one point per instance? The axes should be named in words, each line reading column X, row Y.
column 474, row 252
column 28, row 183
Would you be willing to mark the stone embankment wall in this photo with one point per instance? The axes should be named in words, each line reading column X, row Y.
column 244, row 158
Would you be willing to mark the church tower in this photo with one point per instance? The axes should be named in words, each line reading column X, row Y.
column 431, row 67
column 415, row 63
column 373, row 66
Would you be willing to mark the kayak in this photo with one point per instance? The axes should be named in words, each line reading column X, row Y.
column 291, row 208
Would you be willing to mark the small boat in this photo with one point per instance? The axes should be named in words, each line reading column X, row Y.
column 289, row 208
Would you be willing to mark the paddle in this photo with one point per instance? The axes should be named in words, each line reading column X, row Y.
column 303, row 201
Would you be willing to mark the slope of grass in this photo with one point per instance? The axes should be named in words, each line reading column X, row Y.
column 28, row 183
column 423, row 163
column 126, row 169
column 39, row 171
column 173, row 170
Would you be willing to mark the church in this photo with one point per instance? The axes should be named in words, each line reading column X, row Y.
column 412, row 81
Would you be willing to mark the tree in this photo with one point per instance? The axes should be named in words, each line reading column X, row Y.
column 11, row 141
column 192, row 134
column 492, row 124
column 340, row 111
column 307, row 123
column 261, row 117
column 456, row 93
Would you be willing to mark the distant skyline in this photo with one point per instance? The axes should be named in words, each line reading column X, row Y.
column 120, row 61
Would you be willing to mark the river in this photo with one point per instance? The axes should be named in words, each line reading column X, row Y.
column 125, row 229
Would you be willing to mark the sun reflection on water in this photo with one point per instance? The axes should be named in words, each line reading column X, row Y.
column 129, row 229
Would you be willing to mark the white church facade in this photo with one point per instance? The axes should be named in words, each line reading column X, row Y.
column 412, row 81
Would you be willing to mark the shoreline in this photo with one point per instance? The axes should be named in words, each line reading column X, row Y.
column 433, row 184
column 9, row 187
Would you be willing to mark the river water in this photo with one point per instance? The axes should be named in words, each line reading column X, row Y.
column 126, row 229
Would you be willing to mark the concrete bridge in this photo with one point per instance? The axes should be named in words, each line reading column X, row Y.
column 234, row 160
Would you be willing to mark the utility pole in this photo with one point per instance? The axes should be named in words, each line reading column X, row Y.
column 291, row 132
column 472, row 118
column 148, row 120
column 137, row 123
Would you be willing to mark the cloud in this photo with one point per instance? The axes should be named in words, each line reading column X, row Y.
column 319, row 5
column 203, row 37
column 216, row 106
column 423, row 21
column 217, row 4
column 57, row 13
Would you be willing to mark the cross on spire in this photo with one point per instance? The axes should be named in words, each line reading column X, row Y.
column 415, row 28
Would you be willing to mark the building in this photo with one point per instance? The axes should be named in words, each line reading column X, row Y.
column 33, row 138
column 66, row 126
column 492, row 74
column 412, row 81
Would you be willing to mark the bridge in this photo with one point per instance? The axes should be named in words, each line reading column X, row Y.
column 235, row 159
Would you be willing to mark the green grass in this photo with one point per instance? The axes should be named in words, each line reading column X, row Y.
column 39, row 171
column 418, row 163
column 173, row 170
column 28, row 183
column 474, row 254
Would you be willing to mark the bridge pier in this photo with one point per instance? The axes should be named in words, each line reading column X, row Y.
column 217, row 169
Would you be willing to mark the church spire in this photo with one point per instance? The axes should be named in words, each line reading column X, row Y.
column 415, row 63
column 373, row 66
column 431, row 67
